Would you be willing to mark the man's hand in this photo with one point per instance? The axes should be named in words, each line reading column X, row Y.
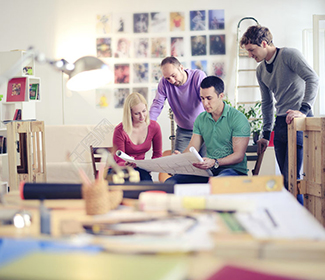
column 291, row 114
column 176, row 152
column 205, row 164
column 262, row 145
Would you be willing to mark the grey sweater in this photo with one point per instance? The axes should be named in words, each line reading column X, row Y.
column 292, row 83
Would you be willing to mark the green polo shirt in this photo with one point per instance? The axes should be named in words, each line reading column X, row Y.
column 217, row 135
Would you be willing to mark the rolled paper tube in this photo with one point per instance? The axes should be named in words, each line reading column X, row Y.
column 73, row 191
column 49, row 191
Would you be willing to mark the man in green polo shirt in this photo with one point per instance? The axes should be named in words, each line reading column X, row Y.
column 225, row 132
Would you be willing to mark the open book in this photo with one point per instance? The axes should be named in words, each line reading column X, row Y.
column 174, row 164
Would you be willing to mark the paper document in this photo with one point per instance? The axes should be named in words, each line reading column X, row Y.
column 162, row 234
column 277, row 215
column 174, row 164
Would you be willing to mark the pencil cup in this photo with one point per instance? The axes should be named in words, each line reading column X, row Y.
column 96, row 198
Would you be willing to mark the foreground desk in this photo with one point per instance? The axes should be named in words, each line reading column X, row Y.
column 294, row 258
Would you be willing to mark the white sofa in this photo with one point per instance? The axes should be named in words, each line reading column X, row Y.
column 73, row 140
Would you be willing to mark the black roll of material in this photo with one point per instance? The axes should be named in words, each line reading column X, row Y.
column 147, row 186
column 50, row 191
column 73, row 191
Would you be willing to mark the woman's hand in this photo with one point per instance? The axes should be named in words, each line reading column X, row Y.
column 132, row 164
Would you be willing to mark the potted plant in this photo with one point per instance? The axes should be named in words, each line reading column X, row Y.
column 254, row 115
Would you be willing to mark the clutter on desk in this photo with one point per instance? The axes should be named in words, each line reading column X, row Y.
column 73, row 191
column 154, row 232
column 153, row 201
column 96, row 197
column 245, row 184
column 19, row 218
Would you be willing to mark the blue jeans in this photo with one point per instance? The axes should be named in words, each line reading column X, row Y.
column 183, row 138
column 191, row 179
column 144, row 174
column 281, row 149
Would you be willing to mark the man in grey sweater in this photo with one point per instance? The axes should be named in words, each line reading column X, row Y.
column 283, row 75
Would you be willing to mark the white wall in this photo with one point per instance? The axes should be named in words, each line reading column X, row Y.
column 66, row 29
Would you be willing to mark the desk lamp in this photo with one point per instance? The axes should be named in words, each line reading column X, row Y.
column 85, row 74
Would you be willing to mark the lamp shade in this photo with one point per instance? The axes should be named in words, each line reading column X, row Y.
column 89, row 73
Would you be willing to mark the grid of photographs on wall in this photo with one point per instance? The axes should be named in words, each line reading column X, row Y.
column 133, row 45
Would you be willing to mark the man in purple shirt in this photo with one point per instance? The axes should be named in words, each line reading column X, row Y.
column 181, row 87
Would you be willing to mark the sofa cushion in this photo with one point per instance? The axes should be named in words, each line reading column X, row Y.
column 75, row 141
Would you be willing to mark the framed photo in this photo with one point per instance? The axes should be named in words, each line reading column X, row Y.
column 158, row 22
column 217, row 44
column 122, row 73
column 104, row 24
column 141, row 90
column 104, row 47
column 140, row 73
column 122, row 48
column 216, row 19
column 140, row 23
column 199, row 64
column 141, row 47
column 122, row 23
column 199, row 45
column 158, row 47
column 177, row 46
column 155, row 72
column 103, row 97
column 218, row 69
column 197, row 20
column 177, row 21
column 16, row 91
column 120, row 95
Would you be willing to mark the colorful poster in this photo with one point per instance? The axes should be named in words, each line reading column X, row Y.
column 155, row 72
column 103, row 25
column 217, row 44
column 140, row 23
column 122, row 48
column 103, row 97
column 158, row 22
column 120, row 95
column 16, row 90
column 177, row 21
column 177, row 46
column 104, row 47
column 216, row 19
column 158, row 47
column 199, row 45
column 122, row 23
column 140, row 73
column 141, row 90
column 197, row 20
column 122, row 73
column 141, row 47
column 199, row 64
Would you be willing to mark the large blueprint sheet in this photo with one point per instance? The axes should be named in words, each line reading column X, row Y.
column 174, row 164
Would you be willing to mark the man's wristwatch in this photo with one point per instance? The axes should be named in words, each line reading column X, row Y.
column 216, row 164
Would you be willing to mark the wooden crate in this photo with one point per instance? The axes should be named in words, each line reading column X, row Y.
column 312, row 185
column 27, row 159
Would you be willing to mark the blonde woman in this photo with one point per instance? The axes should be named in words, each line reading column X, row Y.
column 136, row 134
